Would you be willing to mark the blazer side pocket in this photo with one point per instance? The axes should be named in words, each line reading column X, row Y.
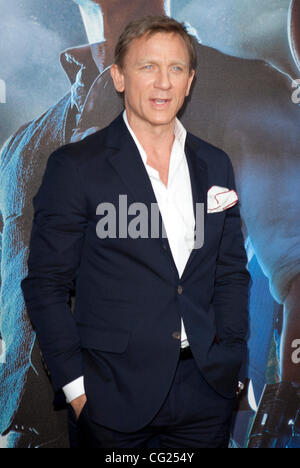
column 102, row 339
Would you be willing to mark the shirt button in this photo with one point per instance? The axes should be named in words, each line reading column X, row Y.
column 176, row 335
column 180, row 289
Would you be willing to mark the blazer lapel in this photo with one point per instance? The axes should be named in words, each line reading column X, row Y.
column 198, row 177
column 128, row 163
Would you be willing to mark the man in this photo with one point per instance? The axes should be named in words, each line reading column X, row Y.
column 157, row 341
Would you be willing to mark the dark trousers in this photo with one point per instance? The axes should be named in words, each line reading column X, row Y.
column 192, row 416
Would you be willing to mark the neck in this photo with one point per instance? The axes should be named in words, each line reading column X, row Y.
column 157, row 140
column 114, row 23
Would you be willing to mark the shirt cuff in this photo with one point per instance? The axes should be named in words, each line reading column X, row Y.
column 74, row 389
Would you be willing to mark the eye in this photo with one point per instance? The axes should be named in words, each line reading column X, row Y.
column 177, row 68
column 147, row 67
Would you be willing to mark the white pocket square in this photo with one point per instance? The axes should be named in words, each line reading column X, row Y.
column 220, row 199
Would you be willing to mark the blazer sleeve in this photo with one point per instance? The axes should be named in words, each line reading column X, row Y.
column 232, row 281
column 56, row 242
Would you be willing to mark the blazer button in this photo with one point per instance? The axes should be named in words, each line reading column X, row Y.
column 176, row 335
column 180, row 289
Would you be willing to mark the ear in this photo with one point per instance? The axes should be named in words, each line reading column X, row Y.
column 190, row 80
column 118, row 78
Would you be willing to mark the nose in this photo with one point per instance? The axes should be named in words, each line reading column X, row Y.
column 163, row 79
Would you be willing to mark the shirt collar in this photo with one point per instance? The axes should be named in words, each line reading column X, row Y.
column 81, row 69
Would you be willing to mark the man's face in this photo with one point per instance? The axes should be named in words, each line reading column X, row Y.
column 155, row 79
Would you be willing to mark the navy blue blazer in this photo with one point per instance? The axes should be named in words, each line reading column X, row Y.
column 124, row 332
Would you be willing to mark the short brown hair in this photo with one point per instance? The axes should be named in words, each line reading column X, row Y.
column 149, row 26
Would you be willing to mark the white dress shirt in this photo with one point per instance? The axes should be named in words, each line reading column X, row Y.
column 175, row 203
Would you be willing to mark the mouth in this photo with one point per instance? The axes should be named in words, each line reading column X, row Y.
column 160, row 102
